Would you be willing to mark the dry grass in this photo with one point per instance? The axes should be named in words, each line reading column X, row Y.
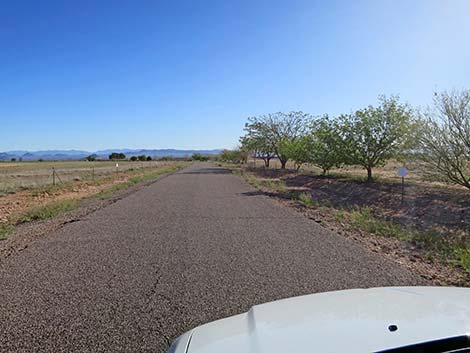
column 47, row 201
column 15, row 176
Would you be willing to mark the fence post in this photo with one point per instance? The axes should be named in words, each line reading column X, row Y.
column 53, row 176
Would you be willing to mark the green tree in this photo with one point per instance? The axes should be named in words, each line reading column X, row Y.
column 142, row 158
column 133, row 158
column 325, row 144
column 234, row 156
column 446, row 137
column 274, row 133
column 299, row 150
column 117, row 156
column 373, row 135
column 257, row 141
column 91, row 158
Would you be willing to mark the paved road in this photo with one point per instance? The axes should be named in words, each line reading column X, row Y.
column 193, row 247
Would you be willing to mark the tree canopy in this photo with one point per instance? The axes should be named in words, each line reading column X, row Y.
column 372, row 135
column 273, row 134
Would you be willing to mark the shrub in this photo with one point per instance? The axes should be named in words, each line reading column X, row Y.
column 199, row 157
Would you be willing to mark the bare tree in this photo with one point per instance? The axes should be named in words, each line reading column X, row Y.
column 446, row 137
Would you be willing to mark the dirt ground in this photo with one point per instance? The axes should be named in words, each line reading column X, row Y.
column 424, row 205
column 428, row 207
column 446, row 210
column 14, row 203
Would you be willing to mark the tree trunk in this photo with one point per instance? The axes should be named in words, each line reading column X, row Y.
column 369, row 175
column 283, row 164
column 266, row 162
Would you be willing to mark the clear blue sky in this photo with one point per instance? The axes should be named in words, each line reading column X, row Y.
column 186, row 74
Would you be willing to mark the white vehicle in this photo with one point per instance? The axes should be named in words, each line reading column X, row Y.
column 394, row 319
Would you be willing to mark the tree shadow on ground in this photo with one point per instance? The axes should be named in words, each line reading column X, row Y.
column 445, row 209
column 423, row 207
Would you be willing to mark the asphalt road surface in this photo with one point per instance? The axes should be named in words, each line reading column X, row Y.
column 193, row 247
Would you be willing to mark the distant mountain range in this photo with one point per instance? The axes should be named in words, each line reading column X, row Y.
column 70, row 155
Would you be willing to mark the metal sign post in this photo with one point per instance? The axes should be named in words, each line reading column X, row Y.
column 402, row 172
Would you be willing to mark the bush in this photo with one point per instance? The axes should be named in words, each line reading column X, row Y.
column 233, row 156
column 199, row 157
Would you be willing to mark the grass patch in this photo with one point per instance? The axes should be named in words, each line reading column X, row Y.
column 306, row 199
column 5, row 230
column 433, row 243
column 277, row 185
column 340, row 216
column 253, row 181
column 462, row 258
column 362, row 218
column 48, row 211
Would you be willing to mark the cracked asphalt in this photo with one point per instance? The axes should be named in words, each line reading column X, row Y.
column 193, row 247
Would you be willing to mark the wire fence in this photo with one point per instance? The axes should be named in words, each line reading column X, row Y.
column 25, row 175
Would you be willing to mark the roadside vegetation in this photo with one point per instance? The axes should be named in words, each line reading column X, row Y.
column 199, row 157
column 368, row 138
column 48, row 201
column 342, row 171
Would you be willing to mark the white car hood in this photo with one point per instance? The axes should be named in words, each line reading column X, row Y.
column 344, row 321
